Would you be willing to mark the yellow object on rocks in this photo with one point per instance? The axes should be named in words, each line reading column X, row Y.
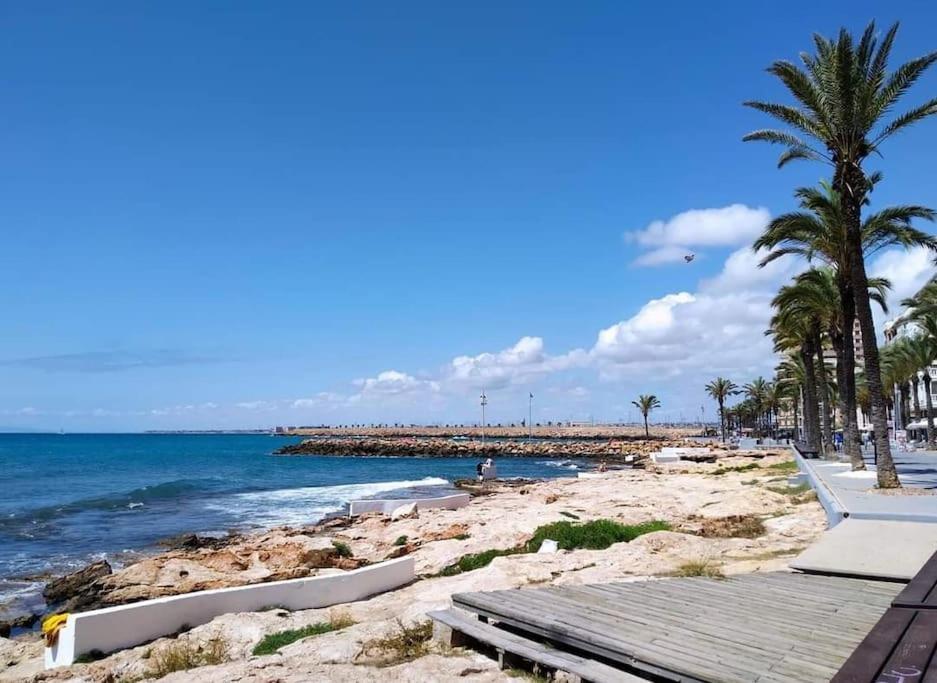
column 51, row 627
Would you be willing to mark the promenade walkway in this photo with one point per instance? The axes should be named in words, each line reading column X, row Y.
column 873, row 534
column 853, row 491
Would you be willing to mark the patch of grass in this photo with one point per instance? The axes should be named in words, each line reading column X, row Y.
column 595, row 535
column 343, row 549
column 569, row 514
column 274, row 641
column 786, row 466
column 525, row 675
column 462, row 537
column 90, row 656
column 404, row 645
column 182, row 655
column 739, row 468
column 401, row 540
column 706, row 568
column 467, row 563
column 750, row 482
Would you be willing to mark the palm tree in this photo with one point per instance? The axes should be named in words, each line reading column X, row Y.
column 646, row 403
column 794, row 334
column 817, row 233
column 757, row 391
column 719, row 390
column 790, row 382
column 843, row 94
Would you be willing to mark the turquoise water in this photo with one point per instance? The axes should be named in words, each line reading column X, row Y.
column 71, row 498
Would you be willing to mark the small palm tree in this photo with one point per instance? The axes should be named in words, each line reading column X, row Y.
column 719, row 390
column 842, row 95
column 646, row 403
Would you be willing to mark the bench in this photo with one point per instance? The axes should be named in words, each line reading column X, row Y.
column 902, row 646
column 921, row 593
column 454, row 628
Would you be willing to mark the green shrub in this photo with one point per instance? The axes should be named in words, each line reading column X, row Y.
column 183, row 655
column 467, row 563
column 706, row 568
column 786, row 466
column 462, row 537
column 401, row 540
column 404, row 645
column 274, row 641
column 343, row 549
column 595, row 535
column 790, row 490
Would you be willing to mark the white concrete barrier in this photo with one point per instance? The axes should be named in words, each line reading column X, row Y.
column 116, row 628
column 385, row 507
column 591, row 475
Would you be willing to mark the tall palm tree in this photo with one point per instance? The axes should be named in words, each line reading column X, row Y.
column 794, row 333
column 843, row 93
column 817, row 233
column 790, row 382
column 757, row 391
column 719, row 390
column 646, row 403
column 919, row 352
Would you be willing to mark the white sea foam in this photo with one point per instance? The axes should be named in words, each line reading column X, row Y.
column 308, row 504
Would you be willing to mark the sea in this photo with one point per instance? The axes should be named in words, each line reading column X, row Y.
column 69, row 499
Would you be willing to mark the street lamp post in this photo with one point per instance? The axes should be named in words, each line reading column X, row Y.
column 530, row 417
column 484, row 401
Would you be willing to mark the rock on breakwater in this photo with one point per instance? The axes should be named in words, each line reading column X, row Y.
column 451, row 448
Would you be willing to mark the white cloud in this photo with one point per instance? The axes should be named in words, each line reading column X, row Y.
column 393, row 383
column 518, row 363
column 661, row 256
column 257, row 405
column 908, row 271
column 688, row 333
column 742, row 273
column 321, row 399
column 670, row 240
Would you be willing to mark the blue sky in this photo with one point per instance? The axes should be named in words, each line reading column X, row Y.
column 245, row 214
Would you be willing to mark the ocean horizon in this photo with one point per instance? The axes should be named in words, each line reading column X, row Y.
column 74, row 498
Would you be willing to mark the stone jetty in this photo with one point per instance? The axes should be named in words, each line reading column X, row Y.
column 612, row 449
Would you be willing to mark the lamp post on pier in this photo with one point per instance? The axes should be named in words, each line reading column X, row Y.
column 530, row 417
column 484, row 402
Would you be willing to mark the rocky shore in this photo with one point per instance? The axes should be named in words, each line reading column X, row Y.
column 612, row 449
column 730, row 516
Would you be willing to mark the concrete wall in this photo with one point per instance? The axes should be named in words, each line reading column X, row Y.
column 116, row 628
column 458, row 500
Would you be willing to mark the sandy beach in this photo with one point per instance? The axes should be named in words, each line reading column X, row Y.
column 733, row 516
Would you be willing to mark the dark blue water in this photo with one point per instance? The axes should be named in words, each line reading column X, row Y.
column 67, row 499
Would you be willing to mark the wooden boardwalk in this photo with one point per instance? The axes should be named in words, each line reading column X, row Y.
column 774, row 627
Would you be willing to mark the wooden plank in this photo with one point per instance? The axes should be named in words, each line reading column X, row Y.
column 921, row 592
column 533, row 651
column 915, row 649
column 582, row 632
column 679, row 641
column 871, row 654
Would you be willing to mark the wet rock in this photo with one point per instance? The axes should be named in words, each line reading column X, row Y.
column 194, row 542
column 77, row 583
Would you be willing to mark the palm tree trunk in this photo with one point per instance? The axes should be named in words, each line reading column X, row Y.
column 647, row 433
column 722, row 419
column 905, row 403
column 796, row 417
column 887, row 474
column 811, row 414
column 929, row 402
column 915, row 394
column 823, row 394
column 852, row 444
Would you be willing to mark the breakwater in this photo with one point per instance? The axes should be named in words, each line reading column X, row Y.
column 475, row 448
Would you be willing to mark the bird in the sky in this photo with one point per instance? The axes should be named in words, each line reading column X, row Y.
column 689, row 257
